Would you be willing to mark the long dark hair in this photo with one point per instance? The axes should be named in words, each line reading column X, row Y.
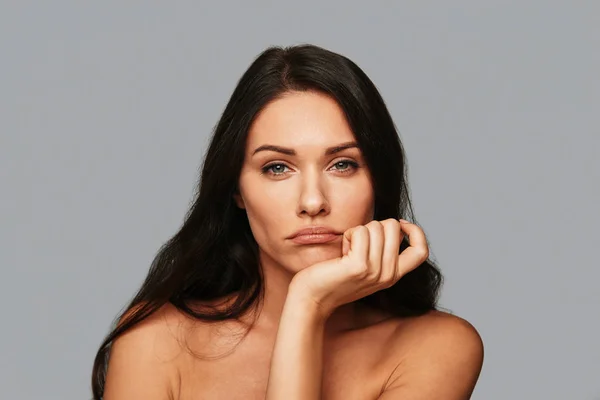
column 214, row 253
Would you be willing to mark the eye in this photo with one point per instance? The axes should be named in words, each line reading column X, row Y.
column 278, row 169
column 344, row 165
column 274, row 169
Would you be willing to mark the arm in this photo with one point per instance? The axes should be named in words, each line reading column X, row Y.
column 297, row 360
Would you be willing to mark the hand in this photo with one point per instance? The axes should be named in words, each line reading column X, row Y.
column 370, row 262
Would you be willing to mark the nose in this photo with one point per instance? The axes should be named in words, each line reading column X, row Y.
column 312, row 199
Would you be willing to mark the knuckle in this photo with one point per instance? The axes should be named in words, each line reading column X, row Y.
column 361, row 229
column 390, row 222
column 388, row 279
column 360, row 270
column 378, row 231
column 366, row 274
column 373, row 276
column 391, row 226
column 388, row 284
column 375, row 226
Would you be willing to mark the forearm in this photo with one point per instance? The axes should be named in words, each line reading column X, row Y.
column 297, row 360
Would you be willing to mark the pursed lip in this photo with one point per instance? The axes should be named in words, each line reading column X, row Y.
column 315, row 230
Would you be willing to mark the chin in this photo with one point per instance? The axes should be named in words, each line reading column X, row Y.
column 310, row 255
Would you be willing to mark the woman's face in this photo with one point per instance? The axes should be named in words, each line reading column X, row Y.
column 283, row 193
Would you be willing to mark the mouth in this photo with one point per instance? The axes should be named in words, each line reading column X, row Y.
column 316, row 238
column 315, row 235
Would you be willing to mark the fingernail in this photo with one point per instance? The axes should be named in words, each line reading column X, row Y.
column 403, row 220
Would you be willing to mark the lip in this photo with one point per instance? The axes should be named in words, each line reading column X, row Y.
column 315, row 235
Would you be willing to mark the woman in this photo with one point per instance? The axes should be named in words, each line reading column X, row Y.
column 293, row 275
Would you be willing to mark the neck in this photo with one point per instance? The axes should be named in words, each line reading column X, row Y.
column 277, row 280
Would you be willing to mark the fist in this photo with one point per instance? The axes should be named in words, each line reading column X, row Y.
column 370, row 262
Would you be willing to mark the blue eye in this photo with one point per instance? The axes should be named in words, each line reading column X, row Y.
column 271, row 167
column 278, row 169
column 346, row 162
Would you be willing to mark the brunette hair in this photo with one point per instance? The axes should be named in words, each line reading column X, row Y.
column 214, row 253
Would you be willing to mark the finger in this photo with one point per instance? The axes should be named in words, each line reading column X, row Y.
column 376, row 242
column 416, row 253
column 393, row 236
column 356, row 240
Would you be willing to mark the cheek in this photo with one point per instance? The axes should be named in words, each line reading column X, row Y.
column 271, row 215
column 267, row 212
column 354, row 202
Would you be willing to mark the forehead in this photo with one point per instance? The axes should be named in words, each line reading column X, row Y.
column 300, row 119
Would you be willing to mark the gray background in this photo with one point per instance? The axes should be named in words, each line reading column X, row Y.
column 106, row 109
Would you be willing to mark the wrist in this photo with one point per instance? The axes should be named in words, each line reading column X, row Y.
column 299, row 299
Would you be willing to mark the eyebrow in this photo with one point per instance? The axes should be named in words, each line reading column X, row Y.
column 292, row 152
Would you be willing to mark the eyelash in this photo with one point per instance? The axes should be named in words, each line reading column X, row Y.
column 353, row 164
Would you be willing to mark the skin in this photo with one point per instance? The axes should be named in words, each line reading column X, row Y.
column 309, row 188
column 370, row 262
column 309, row 306
column 310, row 290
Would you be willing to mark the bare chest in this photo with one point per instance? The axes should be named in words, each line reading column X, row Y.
column 354, row 367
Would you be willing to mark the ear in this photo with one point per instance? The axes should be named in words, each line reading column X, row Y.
column 239, row 201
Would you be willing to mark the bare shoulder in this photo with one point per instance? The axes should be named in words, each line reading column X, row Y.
column 438, row 356
column 436, row 325
column 143, row 360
